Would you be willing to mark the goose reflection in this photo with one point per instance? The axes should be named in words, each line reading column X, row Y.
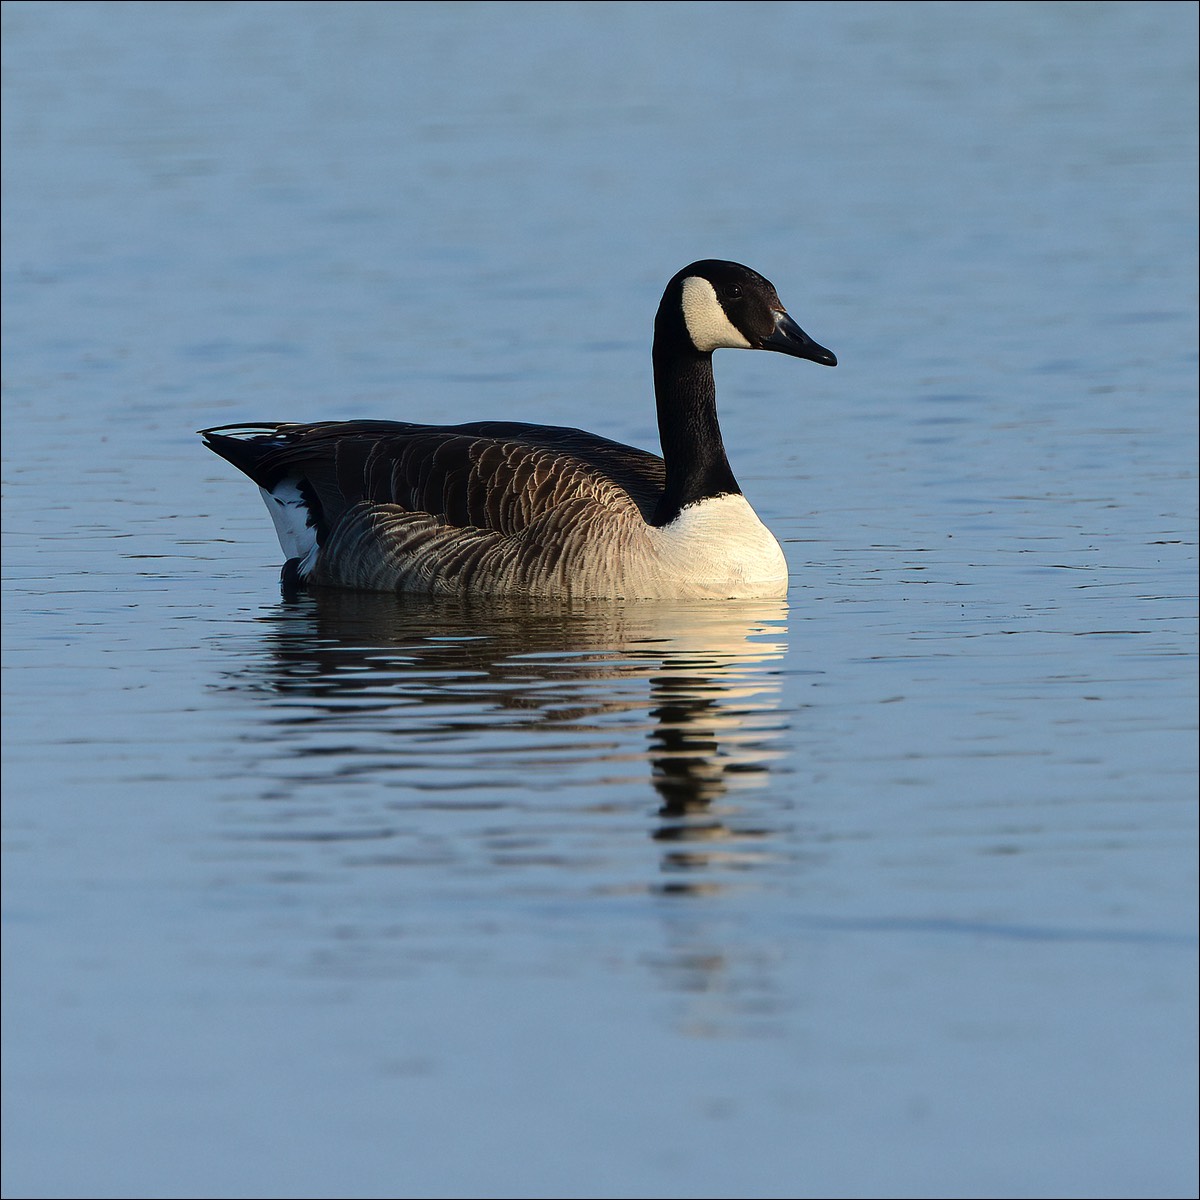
column 466, row 701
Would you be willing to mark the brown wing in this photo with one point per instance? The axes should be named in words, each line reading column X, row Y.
column 491, row 475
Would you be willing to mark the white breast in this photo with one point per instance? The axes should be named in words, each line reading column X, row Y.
column 720, row 548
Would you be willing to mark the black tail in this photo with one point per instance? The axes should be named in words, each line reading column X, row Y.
column 249, row 450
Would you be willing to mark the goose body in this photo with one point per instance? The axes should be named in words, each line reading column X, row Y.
column 502, row 508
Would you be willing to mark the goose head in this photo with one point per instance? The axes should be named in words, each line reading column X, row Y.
column 713, row 304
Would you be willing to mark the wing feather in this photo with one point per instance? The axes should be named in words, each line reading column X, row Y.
column 492, row 475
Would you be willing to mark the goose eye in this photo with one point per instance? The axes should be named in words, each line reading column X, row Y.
column 731, row 291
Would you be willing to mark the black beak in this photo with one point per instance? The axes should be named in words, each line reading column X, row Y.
column 789, row 338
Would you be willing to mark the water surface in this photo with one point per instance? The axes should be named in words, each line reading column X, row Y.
column 889, row 889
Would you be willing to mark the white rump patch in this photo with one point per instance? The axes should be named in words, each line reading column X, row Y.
column 290, row 514
column 709, row 327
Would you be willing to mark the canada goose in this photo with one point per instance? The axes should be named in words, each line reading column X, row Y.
column 502, row 508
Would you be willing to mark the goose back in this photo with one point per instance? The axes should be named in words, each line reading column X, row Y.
column 489, row 507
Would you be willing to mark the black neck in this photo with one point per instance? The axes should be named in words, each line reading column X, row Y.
column 693, row 451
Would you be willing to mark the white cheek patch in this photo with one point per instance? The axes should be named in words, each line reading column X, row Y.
column 709, row 327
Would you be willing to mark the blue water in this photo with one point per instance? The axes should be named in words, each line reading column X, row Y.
column 888, row 890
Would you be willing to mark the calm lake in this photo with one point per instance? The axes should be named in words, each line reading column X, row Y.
column 885, row 890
